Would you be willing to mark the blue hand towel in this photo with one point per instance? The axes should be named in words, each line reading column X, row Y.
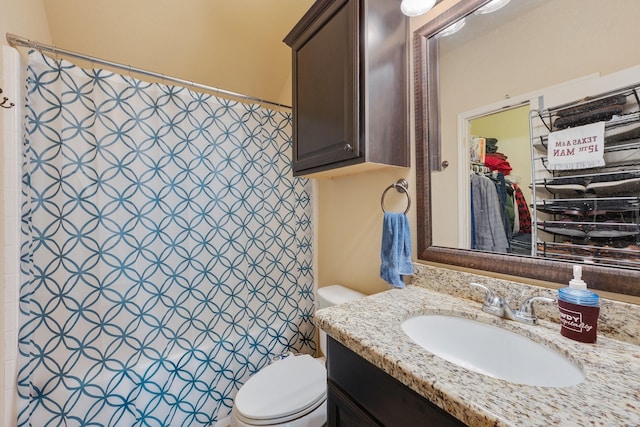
column 396, row 249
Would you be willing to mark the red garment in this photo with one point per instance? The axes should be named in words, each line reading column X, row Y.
column 498, row 155
column 523, row 210
column 497, row 164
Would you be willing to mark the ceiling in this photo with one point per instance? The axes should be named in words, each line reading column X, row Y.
column 234, row 45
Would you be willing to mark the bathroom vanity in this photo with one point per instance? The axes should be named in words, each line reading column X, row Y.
column 360, row 394
column 379, row 376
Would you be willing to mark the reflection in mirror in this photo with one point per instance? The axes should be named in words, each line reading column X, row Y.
column 478, row 92
column 496, row 185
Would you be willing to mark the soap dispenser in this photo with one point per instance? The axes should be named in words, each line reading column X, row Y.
column 579, row 309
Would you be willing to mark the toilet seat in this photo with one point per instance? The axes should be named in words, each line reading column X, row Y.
column 283, row 391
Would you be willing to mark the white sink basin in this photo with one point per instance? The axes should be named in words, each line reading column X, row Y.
column 492, row 351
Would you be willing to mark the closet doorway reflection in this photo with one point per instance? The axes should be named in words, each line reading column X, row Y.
column 496, row 186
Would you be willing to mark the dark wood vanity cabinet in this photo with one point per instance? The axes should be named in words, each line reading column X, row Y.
column 360, row 394
column 350, row 86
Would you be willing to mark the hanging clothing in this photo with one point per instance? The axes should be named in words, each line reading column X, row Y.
column 501, row 189
column 487, row 216
column 498, row 162
column 516, row 215
column 491, row 145
column 524, row 216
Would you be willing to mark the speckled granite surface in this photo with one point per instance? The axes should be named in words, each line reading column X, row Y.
column 617, row 320
column 609, row 396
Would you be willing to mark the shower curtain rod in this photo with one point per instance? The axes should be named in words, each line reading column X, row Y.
column 15, row 41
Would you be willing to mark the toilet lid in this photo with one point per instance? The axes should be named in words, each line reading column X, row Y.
column 288, row 388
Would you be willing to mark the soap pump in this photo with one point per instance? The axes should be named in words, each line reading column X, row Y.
column 579, row 309
column 577, row 282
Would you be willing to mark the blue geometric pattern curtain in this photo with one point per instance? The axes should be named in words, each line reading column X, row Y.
column 167, row 250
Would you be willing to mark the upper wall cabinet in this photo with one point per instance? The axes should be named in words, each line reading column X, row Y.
column 350, row 87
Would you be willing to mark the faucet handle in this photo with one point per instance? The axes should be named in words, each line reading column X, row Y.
column 492, row 302
column 489, row 296
column 526, row 313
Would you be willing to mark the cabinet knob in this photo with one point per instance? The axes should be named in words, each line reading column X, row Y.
column 348, row 147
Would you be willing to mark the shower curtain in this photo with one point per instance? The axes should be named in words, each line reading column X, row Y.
column 167, row 250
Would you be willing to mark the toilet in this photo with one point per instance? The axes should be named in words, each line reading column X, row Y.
column 290, row 392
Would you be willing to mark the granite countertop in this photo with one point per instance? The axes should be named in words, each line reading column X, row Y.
column 371, row 327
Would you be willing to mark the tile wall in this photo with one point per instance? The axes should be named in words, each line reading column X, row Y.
column 10, row 79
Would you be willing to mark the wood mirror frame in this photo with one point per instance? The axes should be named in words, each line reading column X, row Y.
column 611, row 279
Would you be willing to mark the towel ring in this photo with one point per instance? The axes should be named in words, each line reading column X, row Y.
column 401, row 186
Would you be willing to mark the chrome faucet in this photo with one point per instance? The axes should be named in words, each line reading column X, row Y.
column 499, row 306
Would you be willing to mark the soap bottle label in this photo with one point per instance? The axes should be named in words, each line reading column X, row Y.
column 578, row 322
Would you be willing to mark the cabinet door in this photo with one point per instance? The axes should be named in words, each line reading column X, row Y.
column 325, row 68
column 380, row 396
column 343, row 412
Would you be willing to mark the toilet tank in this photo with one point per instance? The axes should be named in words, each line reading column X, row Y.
column 333, row 295
column 336, row 294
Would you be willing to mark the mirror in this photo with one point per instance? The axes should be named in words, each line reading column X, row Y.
column 457, row 83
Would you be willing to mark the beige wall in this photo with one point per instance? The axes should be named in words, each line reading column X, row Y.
column 234, row 45
column 350, row 227
column 350, row 218
column 24, row 17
